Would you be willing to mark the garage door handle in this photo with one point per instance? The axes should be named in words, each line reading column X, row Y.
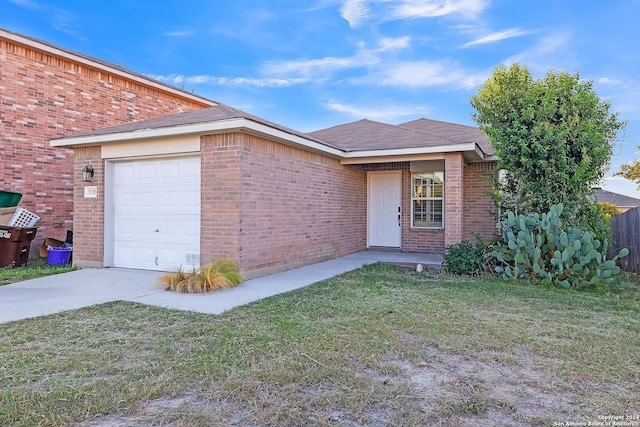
column 156, row 260
column 157, row 230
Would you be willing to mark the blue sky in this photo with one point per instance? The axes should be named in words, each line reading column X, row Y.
column 311, row 64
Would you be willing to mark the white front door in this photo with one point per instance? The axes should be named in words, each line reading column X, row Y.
column 157, row 214
column 385, row 196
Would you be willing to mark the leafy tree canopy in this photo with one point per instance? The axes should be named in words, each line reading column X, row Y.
column 630, row 171
column 553, row 136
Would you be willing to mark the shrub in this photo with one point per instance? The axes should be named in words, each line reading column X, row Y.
column 542, row 248
column 219, row 274
column 465, row 258
column 609, row 210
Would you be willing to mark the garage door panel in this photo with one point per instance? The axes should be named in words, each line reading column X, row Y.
column 147, row 199
column 171, row 169
column 180, row 202
column 157, row 214
column 172, row 258
column 125, row 173
column 179, row 227
column 147, row 171
column 135, row 255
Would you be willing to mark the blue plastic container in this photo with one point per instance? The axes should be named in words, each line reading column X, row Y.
column 58, row 256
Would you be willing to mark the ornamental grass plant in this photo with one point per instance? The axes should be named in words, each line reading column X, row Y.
column 219, row 274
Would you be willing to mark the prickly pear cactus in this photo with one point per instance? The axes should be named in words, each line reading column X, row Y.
column 541, row 248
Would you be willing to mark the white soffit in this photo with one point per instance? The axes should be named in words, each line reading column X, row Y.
column 409, row 154
column 156, row 147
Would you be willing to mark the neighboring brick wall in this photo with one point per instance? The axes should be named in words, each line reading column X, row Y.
column 88, row 228
column 43, row 97
column 479, row 210
column 274, row 207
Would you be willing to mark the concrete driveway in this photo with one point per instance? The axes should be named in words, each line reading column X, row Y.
column 87, row 287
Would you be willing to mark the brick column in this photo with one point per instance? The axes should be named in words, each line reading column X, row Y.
column 453, row 198
column 220, row 221
column 88, row 226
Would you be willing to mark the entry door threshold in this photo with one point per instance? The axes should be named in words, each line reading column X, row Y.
column 383, row 249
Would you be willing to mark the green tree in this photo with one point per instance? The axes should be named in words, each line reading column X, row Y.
column 554, row 138
column 630, row 171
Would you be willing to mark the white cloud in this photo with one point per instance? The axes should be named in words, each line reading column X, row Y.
column 203, row 79
column 379, row 112
column 179, row 33
column 609, row 81
column 26, row 3
column 434, row 8
column 424, row 74
column 497, row 36
column 323, row 67
column 391, row 44
column 550, row 52
column 355, row 12
column 318, row 66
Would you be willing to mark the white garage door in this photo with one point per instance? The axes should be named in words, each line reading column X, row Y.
column 157, row 214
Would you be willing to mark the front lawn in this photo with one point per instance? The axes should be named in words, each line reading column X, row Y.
column 34, row 269
column 378, row 346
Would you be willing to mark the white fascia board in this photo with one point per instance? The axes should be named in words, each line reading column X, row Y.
column 219, row 126
column 198, row 128
column 354, row 155
column 85, row 61
column 291, row 139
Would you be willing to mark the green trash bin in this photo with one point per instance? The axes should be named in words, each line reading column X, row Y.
column 9, row 199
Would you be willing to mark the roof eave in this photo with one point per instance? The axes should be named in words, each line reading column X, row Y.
column 208, row 128
column 471, row 152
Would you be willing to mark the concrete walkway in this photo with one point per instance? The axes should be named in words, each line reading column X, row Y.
column 87, row 287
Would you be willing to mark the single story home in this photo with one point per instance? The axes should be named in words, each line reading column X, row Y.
column 184, row 189
column 622, row 202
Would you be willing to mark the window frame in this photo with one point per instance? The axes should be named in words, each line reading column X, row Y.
column 416, row 175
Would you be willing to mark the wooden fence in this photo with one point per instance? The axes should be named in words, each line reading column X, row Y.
column 626, row 234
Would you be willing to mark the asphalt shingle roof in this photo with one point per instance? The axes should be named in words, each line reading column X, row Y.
column 453, row 131
column 360, row 135
column 371, row 135
column 617, row 199
column 219, row 112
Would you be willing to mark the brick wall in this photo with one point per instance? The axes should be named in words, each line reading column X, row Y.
column 88, row 227
column 220, row 196
column 479, row 210
column 453, row 198
column 275, row 207
column 44, row 96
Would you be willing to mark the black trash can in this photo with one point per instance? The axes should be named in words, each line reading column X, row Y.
column 15, row 243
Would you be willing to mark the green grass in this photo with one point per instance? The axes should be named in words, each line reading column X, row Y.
column 377, row 346
column 33, row 270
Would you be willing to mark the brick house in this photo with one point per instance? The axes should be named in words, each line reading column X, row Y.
column 46, row 92
column 187, row 188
